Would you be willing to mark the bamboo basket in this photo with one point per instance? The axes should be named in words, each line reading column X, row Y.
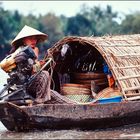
column 108, row 93
column 88, row 76
column 77, row 92
column 99, row 79
column 88, row 82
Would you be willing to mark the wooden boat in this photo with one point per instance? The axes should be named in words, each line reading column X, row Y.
column 121, row 53
column 59, row 116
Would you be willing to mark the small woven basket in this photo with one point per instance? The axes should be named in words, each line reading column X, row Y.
column 80, row 98
column 76, row 92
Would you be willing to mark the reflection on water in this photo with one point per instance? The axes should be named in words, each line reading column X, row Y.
column 125, row 132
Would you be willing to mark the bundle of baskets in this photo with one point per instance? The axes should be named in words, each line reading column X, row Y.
column 77, row 92
column 99, row 79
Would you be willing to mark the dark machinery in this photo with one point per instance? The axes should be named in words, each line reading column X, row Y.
column 20, row 76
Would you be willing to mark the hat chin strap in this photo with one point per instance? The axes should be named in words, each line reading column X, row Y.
column 32, row 46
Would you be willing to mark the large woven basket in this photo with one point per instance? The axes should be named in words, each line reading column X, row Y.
column 88, row 76
column 97, row 82
column 108, row 93
column 99, row 79
column 76, row 92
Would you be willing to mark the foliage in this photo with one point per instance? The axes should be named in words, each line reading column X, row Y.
column 78, row 25
column 102, row 20
column 131, row 23
column 88, row 21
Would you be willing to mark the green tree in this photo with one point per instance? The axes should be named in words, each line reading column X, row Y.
column 106, row 23
column 51, row 25
column 131, row 23
column 78, row 25
column 102, row 20
column 64, row 21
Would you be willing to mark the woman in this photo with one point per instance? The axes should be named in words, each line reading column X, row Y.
column 40, row 87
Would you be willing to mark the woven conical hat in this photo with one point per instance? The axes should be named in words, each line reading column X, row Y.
column 26, row 32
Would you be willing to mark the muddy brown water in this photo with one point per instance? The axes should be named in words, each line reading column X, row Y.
column 124, row 132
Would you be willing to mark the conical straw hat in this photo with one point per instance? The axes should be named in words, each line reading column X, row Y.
column 26, row 32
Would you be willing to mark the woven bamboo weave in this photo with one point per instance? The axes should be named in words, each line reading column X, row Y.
column 76, row 92
column 120, row 52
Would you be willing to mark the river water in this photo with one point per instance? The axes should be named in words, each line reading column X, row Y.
column 124, row 132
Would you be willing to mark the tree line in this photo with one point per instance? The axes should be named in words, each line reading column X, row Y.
column 89, row 21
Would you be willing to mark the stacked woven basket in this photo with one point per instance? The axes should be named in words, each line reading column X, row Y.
column 99, row 79
column 81, row 89
column 77, row 92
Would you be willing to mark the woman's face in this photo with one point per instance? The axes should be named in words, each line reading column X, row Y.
column 31, row 41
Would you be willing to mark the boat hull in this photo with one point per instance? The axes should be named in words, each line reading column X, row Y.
column 58, row 116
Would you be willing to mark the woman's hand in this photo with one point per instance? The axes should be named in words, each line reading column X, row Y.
column 21, row 57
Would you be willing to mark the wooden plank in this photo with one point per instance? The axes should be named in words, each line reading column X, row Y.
column 121, row 45
column 126, row 55
column 131, row 88
column 127, row 67
column 133, row 98
column 132, row 94
column 128, row 77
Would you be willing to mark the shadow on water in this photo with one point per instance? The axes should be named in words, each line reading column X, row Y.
column 125, row 132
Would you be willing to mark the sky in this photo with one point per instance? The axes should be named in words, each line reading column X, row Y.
column 67, row 8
